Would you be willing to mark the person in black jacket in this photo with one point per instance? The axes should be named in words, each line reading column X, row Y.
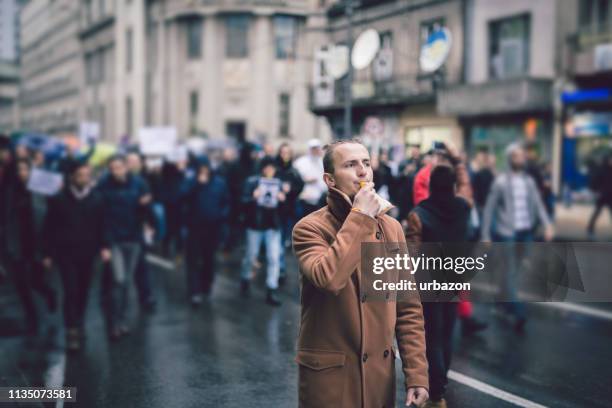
column 292, row 186
column 443, row 217
column 262, row 197
column 73, row 239
column 22, row 218
column 124, row 196
column 206, row 203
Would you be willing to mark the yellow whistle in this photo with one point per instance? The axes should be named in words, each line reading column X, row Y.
column 362, row 184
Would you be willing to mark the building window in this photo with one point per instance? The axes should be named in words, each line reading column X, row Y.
column 237, row 30
column 594, row 15
column 284, row 113
column 509, row 47
column 129, row 49
column 236, row 130
column 102, row 5
column 428, row 28
column 194, row 38
column 285, row 36
column 193, row 111
column 129, row 120
column 383, row 63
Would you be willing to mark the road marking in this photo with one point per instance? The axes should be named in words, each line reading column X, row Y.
column 566, row 306
column 490, row 390
column 159, row 261
column 576, row 308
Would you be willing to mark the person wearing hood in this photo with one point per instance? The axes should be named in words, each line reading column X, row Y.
column 206, row 204
column 514, row 207
column 345, row 346
column 442, row 217
column 310, row 168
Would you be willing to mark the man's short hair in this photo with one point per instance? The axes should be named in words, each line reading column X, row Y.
column 116, row 157
column 328, row 157
column 442, row 180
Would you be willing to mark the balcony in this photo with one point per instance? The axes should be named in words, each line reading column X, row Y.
column 496, row 97
column 590, row 51
column 179, row 8
column 398, row 90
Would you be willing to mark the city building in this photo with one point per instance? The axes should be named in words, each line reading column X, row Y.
column 50, row 67
column 586, row 114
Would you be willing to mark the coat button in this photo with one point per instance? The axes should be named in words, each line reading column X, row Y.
column 363, row 298
column 386, row 354
column 378, row 235
column 365, row 357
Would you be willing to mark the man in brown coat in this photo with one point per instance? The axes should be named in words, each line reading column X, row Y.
column 345, row 348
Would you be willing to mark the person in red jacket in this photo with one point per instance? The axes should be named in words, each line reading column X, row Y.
column 446, row 155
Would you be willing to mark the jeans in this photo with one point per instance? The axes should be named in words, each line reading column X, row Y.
column 510, row 270
column 272, row 237
column 439, row 324
column 124, row 261
column 143, row 279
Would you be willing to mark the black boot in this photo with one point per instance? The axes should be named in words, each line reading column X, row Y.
column 245, row 288
column 272, row 298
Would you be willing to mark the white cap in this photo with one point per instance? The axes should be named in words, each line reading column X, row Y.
column 312, row 143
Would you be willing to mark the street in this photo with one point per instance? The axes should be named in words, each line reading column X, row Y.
column 234, row 352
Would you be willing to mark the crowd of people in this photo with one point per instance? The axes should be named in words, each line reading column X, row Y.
column 199, row 205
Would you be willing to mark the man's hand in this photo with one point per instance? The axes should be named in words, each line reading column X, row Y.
column 281, row 197
column 549, row 233
column 106, row 255
column 417, row 396
column 365, row 201
column 256, row 193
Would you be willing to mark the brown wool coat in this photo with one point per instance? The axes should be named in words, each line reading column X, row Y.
column 345, row 347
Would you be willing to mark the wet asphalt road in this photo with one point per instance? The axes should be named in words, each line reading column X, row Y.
column 234, row 352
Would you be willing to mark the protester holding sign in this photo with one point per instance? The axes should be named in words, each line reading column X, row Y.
column 262, row 196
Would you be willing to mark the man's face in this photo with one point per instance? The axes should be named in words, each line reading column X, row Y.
column 285, row 154
column 351, row 165
column 5, row 156
column 517, row 160
column 23, row 172
column 269, row 171
column 316, row 151
column 134, row 163
column 82, row 177
column 118, row 170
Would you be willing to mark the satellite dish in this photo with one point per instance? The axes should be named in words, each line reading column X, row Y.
column 365, row 48
column 337, row 61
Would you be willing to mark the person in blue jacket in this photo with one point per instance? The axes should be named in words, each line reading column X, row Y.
column 206, row 204
column 124, row 198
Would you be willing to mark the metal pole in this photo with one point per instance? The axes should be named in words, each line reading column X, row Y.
column 348, row 96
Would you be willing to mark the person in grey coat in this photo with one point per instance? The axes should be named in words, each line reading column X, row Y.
column 512, row 213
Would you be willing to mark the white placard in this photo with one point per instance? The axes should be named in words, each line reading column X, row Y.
column 89, row 131
column 157, row 140
column 45, row 182
column 269, row 189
